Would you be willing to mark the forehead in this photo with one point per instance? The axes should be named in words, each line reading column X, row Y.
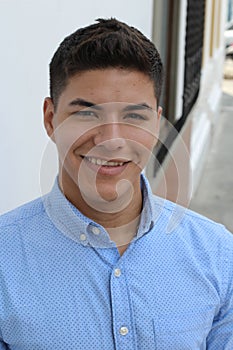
column 110, row 85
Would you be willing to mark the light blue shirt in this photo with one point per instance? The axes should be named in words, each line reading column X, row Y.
column 63, row 284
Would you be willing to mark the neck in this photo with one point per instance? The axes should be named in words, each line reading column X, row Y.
column 121, row 224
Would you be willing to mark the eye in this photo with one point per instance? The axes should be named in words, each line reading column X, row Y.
column 86, row 114
column 135, row 116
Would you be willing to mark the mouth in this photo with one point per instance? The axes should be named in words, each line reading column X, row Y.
column 102, row 162
column 106, row 167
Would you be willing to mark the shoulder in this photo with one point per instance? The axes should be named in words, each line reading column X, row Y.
column 19, row 228
column 191, row 225
column 198, row 239
column 22, row 214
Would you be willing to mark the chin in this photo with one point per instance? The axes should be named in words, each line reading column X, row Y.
column 119, row 194
column 108, row 196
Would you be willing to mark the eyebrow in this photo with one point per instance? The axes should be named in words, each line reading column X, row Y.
column 83, row 103
column 138, row 107
column 130, row 107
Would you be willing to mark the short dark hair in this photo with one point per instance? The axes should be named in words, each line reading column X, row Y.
column 108, row 43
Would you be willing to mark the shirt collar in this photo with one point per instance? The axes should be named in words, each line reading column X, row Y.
column 76, row 226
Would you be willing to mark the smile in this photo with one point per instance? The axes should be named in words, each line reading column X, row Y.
column 102, row 162
column 104, row 167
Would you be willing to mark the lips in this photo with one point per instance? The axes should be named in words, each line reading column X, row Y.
column 106, row 167
column 102, row 162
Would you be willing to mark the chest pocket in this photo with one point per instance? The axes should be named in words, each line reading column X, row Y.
column 183, row 331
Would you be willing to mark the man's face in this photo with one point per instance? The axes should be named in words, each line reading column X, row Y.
column 105, row 127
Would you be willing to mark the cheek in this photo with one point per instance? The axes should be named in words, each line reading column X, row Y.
column 142, row 145
column 143, row 141
column 69, row 136
column 145, row 145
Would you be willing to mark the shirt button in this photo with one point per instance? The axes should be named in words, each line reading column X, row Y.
column 95, row 230
column 83, row 237
column 117, row 272
column 124, row 330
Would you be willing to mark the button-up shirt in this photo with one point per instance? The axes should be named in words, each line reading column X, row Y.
column 64, row 285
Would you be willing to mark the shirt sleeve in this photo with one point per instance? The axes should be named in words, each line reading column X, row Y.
column 221, row 335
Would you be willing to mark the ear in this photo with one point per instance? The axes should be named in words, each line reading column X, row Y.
column 48, row 109
column 159, row 115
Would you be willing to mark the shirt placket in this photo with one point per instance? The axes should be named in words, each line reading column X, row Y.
column 123, row 328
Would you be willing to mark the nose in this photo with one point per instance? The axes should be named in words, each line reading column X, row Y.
column 110, row 136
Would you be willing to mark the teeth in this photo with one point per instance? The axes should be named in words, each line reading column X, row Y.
column 97, row 161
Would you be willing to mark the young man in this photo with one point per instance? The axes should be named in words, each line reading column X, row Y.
column 90, row 265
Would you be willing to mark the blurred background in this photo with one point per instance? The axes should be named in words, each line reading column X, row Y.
column 193, row 161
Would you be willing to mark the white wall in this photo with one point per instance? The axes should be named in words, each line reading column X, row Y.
column 30, row 33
